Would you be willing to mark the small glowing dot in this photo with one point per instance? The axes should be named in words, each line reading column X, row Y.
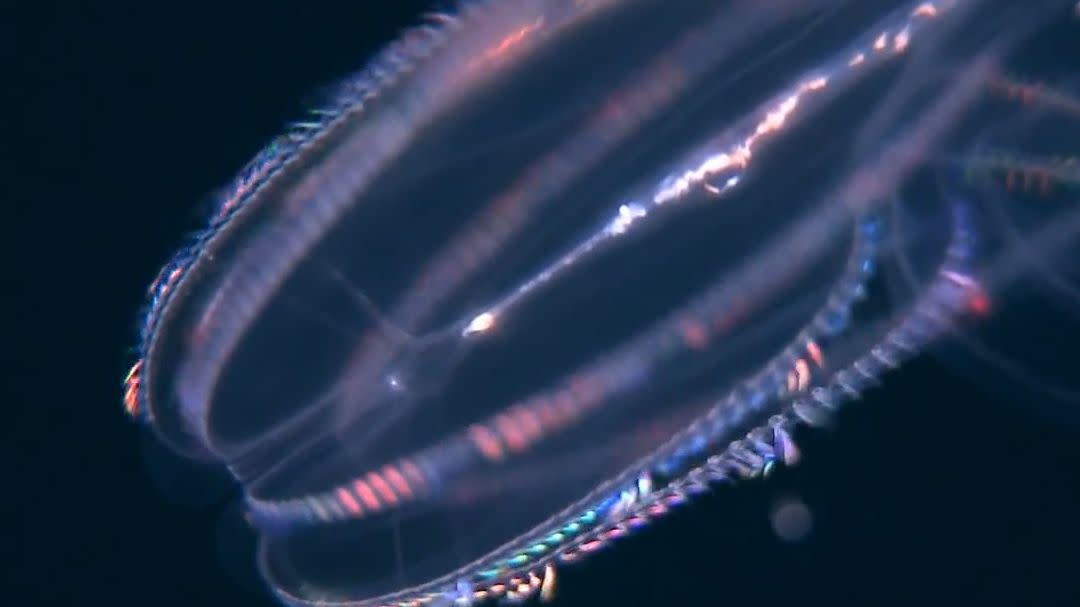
column 481, row 323
column 628, row 213
column 644, row 485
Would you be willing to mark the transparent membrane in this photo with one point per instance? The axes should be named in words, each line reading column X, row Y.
column 547, row 269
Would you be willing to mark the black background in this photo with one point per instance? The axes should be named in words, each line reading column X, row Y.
column 939, row 487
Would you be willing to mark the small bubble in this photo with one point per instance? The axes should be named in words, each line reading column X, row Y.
column 791, row 520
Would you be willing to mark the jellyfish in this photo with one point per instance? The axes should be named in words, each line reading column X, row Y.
column 545, row 270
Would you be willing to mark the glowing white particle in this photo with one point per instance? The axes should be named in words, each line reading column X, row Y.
column 628, row 213
column 644, row 486
column 479, row 324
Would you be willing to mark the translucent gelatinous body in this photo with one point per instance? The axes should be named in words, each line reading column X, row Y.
column 548, row 268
